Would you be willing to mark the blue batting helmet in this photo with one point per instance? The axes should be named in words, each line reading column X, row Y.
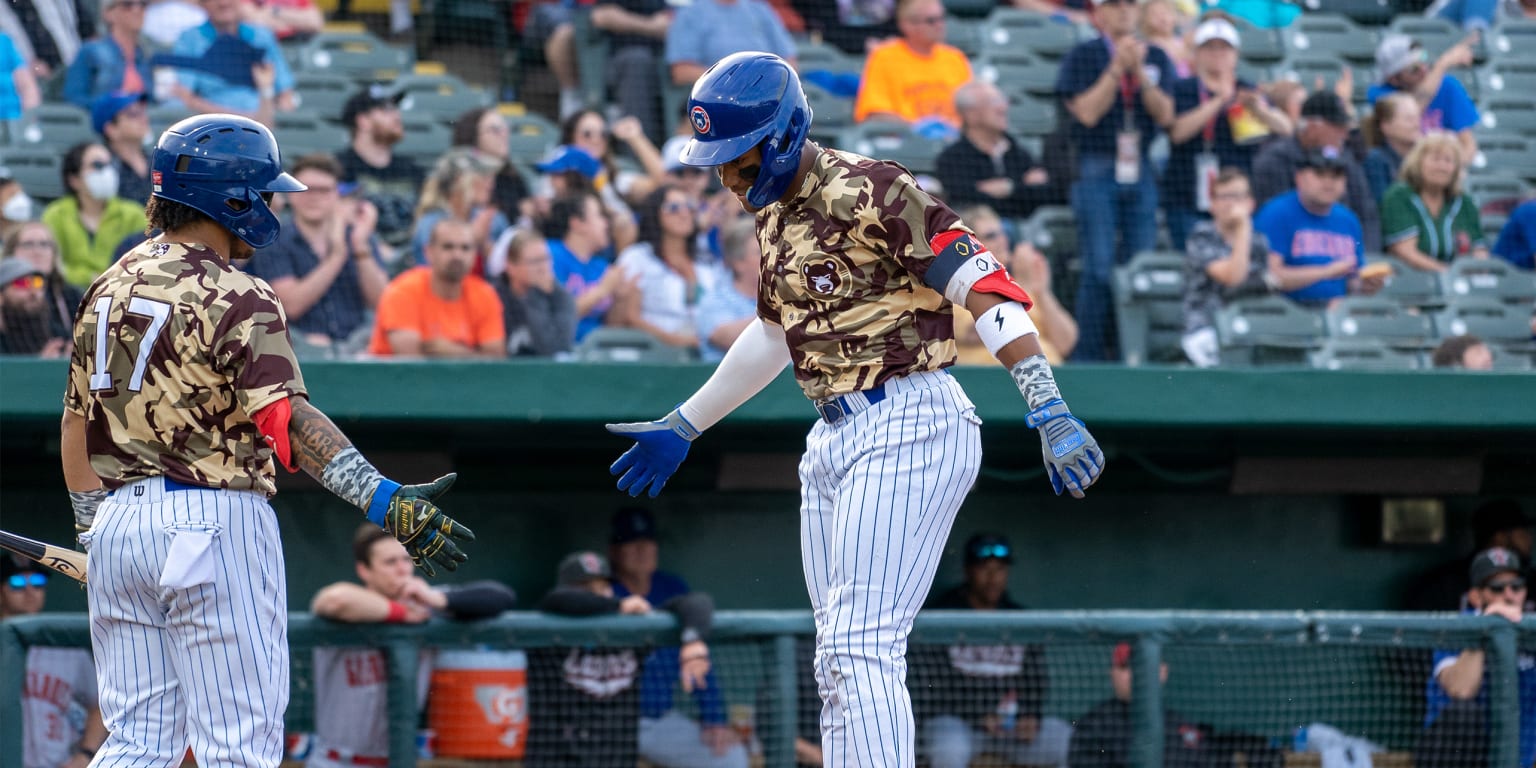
column 746, row 100
column 222, row 165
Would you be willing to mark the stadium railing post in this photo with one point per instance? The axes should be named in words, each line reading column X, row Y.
column 1146, row 703
column 400, row 658
column 779, row 742
column 1503, row 695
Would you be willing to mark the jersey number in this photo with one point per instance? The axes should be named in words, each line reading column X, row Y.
column 157, row 312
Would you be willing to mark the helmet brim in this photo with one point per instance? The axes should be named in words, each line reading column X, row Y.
column 707, row 154
column 284, row 183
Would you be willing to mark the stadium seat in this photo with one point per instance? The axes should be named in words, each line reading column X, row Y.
column 1436, row 35
column 163, row 117
column 1408, row 286
column 1010, row 29
column 1305, row 68
column 1495, row 191
column 1018, row 72
column 965, row 32
column 1264, row 46
column 1331, row 34
column 426, row 138
column 1502, row 77
column 358, row 55
column 442, row 96
column 1363, row 355
column 825, row 57
column 37, row 168
column 1375, row 317
column 1508, row 153
column 592, row 51
column 608, row 344
column 968, row 8
column 890, row 140
column 1510, row 113
column 832, row 113
column 1149, row 307
column 1030, row 116
column 1493, row 278
column 301, row 133
column 1513, row 41
column 1053, row 230
column 530, row 136
column 1367, row 13
column 1267, row 330
column 53, row 126
column 323, row 93
column 1512, row 357
column 1486, row 318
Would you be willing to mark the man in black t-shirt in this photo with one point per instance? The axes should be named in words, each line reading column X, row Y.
column 986, row 166
column 391, row 182
column 1102, row 737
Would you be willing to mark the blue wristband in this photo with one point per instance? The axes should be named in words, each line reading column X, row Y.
column 379, row 504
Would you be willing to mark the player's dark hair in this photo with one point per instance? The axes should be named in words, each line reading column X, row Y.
column 74, row 163
column 169, row 216
column 362, row 542
column 1451, row 351
column 564, row 208
column 649, row 227
column 323, row 162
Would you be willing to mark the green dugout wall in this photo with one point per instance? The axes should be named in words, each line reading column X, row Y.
column 1232, row 489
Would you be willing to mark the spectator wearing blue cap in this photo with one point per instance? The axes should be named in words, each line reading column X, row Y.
column 122, row 119
column 1323, row 127
column 118, row 61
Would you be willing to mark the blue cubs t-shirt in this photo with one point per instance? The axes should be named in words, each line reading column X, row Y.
column 1451, row 109
column 1436, row 699
column 578, row 277
column 1305, row 239
column 1082, row 66
column 1517, row 241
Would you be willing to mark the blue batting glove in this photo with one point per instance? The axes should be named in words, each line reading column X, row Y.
column 660, row 446
column 1073, row 458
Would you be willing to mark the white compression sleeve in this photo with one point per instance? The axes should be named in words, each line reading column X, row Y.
column 753, row 360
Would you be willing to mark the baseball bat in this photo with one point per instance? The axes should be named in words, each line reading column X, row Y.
column 65, row 561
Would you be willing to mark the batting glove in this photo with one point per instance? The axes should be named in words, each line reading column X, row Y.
column 1073, row 458
column 660, row 446
column 427, row 533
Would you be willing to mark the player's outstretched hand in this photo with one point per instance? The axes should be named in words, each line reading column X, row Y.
column 428, row 534
column 660, row 446
column 1072, row 457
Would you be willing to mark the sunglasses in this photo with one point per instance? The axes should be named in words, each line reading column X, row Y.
column 927, row 20
column 991, row 550
column 33, row 282
column 466, row 247
column 676, row 207
column 1512, row 585
column 24, row 580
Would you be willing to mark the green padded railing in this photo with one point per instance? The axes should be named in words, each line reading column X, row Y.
column 1263, row 674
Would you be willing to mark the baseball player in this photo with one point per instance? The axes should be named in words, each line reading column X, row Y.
column 60, row 722
column 860, row 270
column 182, row 391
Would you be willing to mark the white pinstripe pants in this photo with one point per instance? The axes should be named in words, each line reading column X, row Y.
column 206, row 661
column 879, row 492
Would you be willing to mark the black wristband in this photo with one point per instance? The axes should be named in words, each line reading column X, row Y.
column 81, row 750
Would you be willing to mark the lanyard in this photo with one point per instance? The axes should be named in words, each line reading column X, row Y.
column 1127, row 91
column 1209, row 131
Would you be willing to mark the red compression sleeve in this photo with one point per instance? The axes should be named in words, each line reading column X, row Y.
column 273, row 423
column 1000, row 283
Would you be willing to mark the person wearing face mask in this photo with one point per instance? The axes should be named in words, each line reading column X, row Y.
column 16, row 207
column 122, row 120
column 90, row 219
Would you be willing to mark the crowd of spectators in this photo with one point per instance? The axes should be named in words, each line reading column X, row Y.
column 1154, row 115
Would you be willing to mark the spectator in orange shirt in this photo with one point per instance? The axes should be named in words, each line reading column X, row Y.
column 441, row 310
column 914, row 78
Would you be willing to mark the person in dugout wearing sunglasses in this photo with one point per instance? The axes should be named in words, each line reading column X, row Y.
column 61, row 724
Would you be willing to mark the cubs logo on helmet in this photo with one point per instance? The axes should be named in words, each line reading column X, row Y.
column 700, row 119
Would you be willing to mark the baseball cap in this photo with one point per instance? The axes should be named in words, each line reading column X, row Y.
column 988, row 546
column 1326, row 106
column 672, row 154
column 1217, row 29
column 578, row 568
column 370, row 98
column 1491, row 562
column 632, row 524
column 1121, row 656
column 1497, row 516
column 570, row 158
column 11, row 564
column 1323, row 159
column 107, row 106
column 1395, row 53
column 15, row 267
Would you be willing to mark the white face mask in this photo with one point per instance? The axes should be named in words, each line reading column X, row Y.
column 18, row 208
column 102, row 184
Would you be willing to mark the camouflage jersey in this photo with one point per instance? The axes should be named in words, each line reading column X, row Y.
column 843, row 263
column 191, row 347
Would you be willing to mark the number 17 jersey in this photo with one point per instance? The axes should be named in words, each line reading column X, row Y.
column 174, row 351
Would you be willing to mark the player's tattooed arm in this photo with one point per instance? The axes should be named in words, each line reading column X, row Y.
column 322, row 451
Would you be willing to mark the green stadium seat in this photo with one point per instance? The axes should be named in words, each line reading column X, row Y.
column 1381, row 319
column 608, row 344
column 163, row 117
column 1408, row 286
column 301, row 133
column 37, row 168
column 1367, row 13
column 970, row 9
column 890, row 140
column 825, row 57
column 1260, row 45
column 1508, row 152
column 1018, row 72
column 1030, row 116
column 1267, row 330
column 965, row 33
column 1331, row 34
column 426, row 138
column 1149, row 307
column 1513, row 41
column 1486, row 318
column 1511, row 113
column 1492, row 278
column 1495, row 190
column 530, row 137
column 1363, row 355
column 1506, row 77
column 1305, row 68
column 358, row 55
column 832, row 112
column 1255, row 72
column 1009, row 29
column 323, row 93
column 1436, row 35
column 444, row 97
column 592, row 51
column 53, row 126
column 1512, row 357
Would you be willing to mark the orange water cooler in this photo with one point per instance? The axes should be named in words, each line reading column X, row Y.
column 478, row 705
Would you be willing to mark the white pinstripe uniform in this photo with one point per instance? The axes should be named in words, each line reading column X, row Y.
column 174, row 350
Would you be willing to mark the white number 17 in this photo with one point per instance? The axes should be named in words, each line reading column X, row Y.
column 157, row 311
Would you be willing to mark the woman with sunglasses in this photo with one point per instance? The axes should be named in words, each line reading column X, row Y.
column 33, row 242
column 90, row 219
column 663, row 270
column 588, row 130
column 118, row 61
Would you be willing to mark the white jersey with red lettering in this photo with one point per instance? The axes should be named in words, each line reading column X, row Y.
column 352, row 706
column 59, row 696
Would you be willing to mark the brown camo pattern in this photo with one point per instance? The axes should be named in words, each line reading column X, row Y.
column 223, row 354
column 843, row 262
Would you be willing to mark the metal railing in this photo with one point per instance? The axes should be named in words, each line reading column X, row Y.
column 1233, row 654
